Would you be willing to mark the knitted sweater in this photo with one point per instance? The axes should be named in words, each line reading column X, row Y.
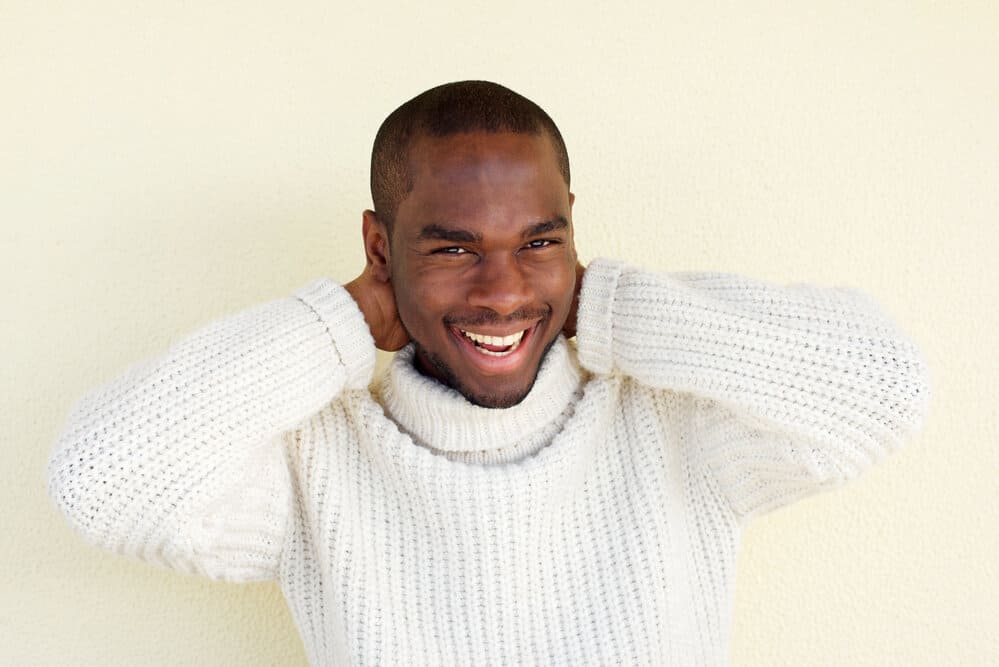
column 596, row 522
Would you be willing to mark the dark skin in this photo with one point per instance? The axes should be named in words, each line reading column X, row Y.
column 482, row 246
column 376, row 300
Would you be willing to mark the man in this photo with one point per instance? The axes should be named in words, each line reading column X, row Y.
column 500, row 495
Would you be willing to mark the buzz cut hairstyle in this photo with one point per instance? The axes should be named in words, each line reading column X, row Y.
column 446, row 110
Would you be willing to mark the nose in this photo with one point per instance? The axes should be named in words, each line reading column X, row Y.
column 500, row 285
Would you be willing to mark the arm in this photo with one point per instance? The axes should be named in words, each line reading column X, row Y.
column 792, row 389
column 179, row 461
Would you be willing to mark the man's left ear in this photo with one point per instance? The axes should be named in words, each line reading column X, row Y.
column 572, row 228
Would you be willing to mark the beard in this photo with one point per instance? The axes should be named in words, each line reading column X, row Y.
column 444, row 373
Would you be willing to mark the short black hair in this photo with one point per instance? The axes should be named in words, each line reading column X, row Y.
column 449, row 109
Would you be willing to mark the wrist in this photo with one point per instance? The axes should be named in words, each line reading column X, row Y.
column 595, row 318
column 351, row 336
column 569, row 328
column 376, row 302
column 357, row 291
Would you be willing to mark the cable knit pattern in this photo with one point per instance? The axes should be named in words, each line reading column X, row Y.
column 595, row 523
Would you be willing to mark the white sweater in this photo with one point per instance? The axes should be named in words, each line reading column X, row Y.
column 597, row 522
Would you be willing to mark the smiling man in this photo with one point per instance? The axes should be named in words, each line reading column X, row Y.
column 502, row 494
column 474, row 228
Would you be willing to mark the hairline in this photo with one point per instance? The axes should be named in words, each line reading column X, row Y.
column 422, row 134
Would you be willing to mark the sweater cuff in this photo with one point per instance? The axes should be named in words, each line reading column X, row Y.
column 594, row 319
column 351, row 336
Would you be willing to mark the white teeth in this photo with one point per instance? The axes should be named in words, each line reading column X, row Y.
column 512, row 342
column 498, row 341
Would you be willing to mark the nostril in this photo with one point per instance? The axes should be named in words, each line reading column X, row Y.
column 503, row 295
column 500, row 285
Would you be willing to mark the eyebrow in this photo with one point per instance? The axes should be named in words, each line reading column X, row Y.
column 555, row 224
column 439, row 232
column 435, row 232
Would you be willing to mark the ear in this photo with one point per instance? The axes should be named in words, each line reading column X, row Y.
column 572, row 226
column 376, row 246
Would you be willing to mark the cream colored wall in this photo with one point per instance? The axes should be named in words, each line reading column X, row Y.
column 163, row 164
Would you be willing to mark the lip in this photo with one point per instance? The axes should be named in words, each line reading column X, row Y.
column 488, row 365
column 493, row 332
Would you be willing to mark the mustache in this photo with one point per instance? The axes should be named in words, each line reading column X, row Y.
column 489, row 317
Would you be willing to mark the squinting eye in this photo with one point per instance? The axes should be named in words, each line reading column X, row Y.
column 452, row 250
column 540, row 243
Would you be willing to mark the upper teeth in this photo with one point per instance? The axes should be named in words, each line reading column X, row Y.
column 502, row 341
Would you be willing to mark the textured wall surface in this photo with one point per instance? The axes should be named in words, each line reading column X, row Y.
column 163, row 164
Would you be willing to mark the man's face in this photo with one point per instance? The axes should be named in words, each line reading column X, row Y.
column 483, row 261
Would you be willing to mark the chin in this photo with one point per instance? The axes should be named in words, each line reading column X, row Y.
column 499, row 397
column 496, row 401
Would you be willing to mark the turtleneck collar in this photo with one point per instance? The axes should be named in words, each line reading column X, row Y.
column 440, row 418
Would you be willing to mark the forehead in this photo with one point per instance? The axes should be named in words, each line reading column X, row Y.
column 466, row 151
column 464, row 175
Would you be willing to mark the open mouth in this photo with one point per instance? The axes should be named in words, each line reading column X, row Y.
column 495, row 346
column 496, row 352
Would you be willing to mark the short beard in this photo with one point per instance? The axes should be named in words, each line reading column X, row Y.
column 450, row 378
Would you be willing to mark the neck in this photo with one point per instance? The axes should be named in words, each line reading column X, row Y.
column 437, row 416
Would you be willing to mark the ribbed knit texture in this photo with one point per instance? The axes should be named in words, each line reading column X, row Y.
column 595, row 523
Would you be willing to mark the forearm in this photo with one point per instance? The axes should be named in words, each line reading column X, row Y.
column 824, row 368
column 144, row 454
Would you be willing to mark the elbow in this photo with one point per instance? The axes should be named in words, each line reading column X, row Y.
column 882, row 407
column 80, row 489
column 68, row 490
column 901, row 405
column 908, row 405
column 894, row 376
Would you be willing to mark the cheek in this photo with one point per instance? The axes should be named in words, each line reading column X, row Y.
column 432, row 287
column 420, row 304
column 560, row 282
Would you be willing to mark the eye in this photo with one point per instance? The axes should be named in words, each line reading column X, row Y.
column 541, row 243
column 451, row 250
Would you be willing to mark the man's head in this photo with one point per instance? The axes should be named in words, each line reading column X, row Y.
column 444, row 111
column 473, row 228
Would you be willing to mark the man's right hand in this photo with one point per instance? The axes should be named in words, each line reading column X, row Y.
column 377, row 303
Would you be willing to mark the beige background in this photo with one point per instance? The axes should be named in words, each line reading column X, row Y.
column 164, row 164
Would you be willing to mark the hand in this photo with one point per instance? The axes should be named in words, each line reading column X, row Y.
column 569, row 328
column 377, row 302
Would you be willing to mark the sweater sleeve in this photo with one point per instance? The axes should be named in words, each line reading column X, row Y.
column 792, row 389
column 180, row 460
